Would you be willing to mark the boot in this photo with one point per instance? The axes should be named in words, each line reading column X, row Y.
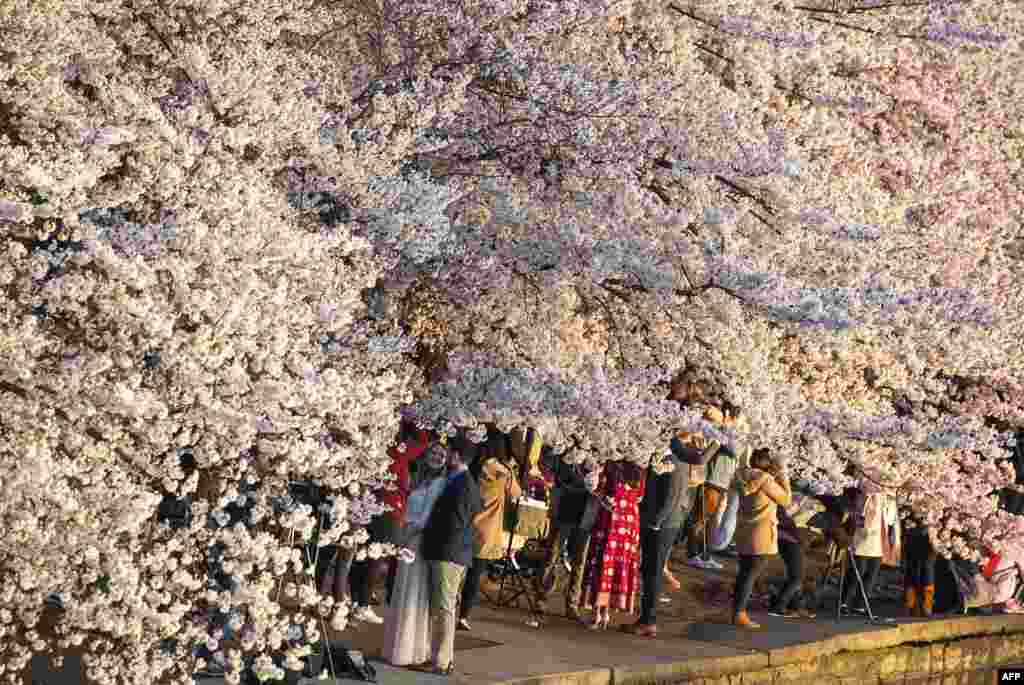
column 743, row 620
column 910, row 599
column 927, row 600
column 673, row 582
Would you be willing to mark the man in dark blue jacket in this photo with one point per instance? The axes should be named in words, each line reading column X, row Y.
column 661, row 516
column 570, row 528
column 448, row 548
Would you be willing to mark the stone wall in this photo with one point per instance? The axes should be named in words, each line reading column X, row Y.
column 961, row 661
column 971, row 661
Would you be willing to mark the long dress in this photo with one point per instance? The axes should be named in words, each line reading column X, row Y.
column 612, row 571
column 407, row 618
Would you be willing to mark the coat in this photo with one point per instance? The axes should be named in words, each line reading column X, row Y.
column 497, row 483
column 570, row 489
column 449, row 533
column 757, row 519
column 878, row 514
column 665, row 495
column 397, row 494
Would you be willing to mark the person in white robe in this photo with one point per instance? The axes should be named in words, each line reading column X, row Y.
column 407, row 619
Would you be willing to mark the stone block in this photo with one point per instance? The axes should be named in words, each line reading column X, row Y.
column 924, row 680
column 937, row 652
column 984, row 676
column 919, row 662
column 731, row 679
column 810, row 669
column 861, row 665
column 1006, row 649
column 955, row 679
column 764, row 676
column 893, row 663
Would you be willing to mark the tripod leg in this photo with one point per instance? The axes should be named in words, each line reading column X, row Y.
column 860, row 583
column 822, row 583
column 843, row 561
column 704, row 529
column 508, row 553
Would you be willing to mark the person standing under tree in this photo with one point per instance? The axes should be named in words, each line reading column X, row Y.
column 407, row 621
column 447, row 545
column 570, row 530
column 661, row 516
column 612, row 573
column 496, row 474
column 763, row 488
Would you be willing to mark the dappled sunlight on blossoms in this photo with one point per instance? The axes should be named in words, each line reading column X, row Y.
column 238, row 241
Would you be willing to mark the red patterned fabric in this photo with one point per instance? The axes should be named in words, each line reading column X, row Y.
column 612, row 571
column 397, row 495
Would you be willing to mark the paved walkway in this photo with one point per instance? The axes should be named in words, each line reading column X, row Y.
column 561, row 653
column 502, row 649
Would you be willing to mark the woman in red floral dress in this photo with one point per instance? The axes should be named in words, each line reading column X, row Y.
column 611, row 577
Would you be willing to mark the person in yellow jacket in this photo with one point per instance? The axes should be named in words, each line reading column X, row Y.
column 495, row 472
column 763, row 488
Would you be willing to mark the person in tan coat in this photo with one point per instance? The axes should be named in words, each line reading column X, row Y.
column 495, row 471
column 763, row 488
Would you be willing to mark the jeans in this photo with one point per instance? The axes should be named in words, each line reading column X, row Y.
column 389, row 584
column 471, row 588
column 868, row 567
column 359, row 583
column 655, row 546
column 921, row 559
column 578, row 540
column 791, row 596
column 445, row 583
column 750, row 568
column 704, row 508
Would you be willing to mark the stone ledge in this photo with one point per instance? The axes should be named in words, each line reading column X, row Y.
column 599, row 676
column 691, row 669
column 948, row 646
column 925, row 632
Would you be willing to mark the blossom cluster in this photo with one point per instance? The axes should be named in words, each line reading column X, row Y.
column 238, row 241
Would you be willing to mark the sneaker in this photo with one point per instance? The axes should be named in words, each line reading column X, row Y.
column 463, row 625
column 367, row 615
column 696, row 562
column 710, row 563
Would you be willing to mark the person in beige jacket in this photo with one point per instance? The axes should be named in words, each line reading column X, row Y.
column 495, row 471
column 763, row 487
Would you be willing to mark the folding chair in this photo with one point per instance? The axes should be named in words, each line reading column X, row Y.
column 515, row 580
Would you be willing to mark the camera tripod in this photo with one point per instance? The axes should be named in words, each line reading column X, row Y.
column 844, row 558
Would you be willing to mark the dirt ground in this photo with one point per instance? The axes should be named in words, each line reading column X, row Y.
column 705, row 594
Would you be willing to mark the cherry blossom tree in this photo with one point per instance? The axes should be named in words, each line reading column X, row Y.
column 238, row 239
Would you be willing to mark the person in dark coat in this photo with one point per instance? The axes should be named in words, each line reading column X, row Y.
column 919, row 576
column 661, row 516
column 570, row 530
column 790, row 601
column 448, row 540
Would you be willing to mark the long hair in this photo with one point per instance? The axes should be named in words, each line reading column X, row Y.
column 762, row 458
